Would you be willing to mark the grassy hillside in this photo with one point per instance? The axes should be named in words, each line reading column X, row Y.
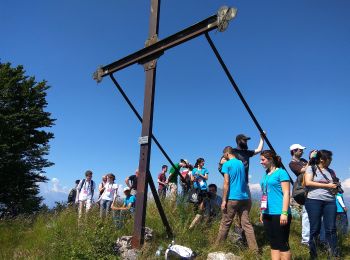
column 56, row 235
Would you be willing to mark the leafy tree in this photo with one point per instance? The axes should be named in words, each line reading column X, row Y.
column 24, row 140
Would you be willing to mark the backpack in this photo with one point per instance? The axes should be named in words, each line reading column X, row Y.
column 299, row 192
column 179, row 252
column 72, row 195
column 80, row 186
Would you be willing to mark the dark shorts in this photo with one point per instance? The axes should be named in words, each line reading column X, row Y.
column 277, row 235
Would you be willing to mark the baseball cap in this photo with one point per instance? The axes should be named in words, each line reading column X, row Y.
column 242, row 137
column 126, row 189
column 296, row 146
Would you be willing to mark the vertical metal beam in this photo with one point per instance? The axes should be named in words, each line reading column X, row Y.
column 147, row 122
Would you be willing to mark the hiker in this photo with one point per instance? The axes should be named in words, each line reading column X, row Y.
column 172, row 178
column 73, row 194
column 101, row 186
column 275, row 210
column 242, row 153
column 162, row 182
column 235, row 199
column 128, row 202
column 212, row 209
column 85, row 193
column 199, row 179
column 131, row 182
column 108, row 195
column 320, row 202
column 185, row 181
column 126, row 210
column 298, row 166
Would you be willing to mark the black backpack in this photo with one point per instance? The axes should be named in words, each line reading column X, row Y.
column 299, row 192
column 72, row 195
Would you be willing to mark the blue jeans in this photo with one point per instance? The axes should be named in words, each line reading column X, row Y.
column 316, row 209
column 105, row 207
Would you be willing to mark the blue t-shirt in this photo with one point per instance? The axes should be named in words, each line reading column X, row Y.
column 238, row 189
column 271, row 184
column 131, row 199
column 200, row 182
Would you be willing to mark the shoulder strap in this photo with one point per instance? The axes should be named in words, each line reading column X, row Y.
column 81, row 184
column 324, row 174
column 333, row 175
column 92, row 188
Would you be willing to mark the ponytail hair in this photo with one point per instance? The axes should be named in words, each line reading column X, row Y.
column 271, row 155
column 199, row 160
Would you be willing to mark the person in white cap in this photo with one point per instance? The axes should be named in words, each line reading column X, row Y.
column 120, row 214
column 128, row 202
column 298, row 165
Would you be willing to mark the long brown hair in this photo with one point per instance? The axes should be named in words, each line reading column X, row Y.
column 271, row 155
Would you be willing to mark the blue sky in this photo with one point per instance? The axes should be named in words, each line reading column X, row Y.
column 291, row 60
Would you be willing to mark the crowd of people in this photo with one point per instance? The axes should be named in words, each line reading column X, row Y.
column 324, row 210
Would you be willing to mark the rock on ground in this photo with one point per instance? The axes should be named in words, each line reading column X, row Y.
column 123, row 248
column 222, row 256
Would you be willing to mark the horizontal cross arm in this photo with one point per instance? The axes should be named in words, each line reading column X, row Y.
column 155, row 50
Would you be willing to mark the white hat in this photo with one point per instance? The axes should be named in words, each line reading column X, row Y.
column 126, row 189
column 296, row 146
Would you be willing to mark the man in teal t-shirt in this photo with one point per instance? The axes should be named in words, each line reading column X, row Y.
column 235, row 199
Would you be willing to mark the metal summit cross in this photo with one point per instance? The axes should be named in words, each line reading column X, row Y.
column 148, row 58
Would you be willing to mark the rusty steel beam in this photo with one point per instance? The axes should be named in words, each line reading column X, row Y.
column 146, row 133
column 239, row 93
column 155, row 49
column 159, row 206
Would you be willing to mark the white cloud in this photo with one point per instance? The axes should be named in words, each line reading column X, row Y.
column 346, row 184
column 254, row 187
column 53, row 191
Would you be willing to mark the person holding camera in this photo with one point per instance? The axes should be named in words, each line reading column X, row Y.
column 320, row 203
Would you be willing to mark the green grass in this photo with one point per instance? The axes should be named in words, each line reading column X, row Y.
column 58, row 236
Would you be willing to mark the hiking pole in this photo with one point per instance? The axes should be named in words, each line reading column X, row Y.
column 234, row 85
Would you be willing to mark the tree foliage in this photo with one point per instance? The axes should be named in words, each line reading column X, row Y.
column 24, row 140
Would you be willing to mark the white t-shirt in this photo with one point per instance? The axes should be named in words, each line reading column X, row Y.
column 110, row 191
column 85, row 191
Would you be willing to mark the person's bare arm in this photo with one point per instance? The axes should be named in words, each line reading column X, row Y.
column 225, row 191
column 285, row 204
column 261, row 144
column 310, row 183
column 127, row 182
